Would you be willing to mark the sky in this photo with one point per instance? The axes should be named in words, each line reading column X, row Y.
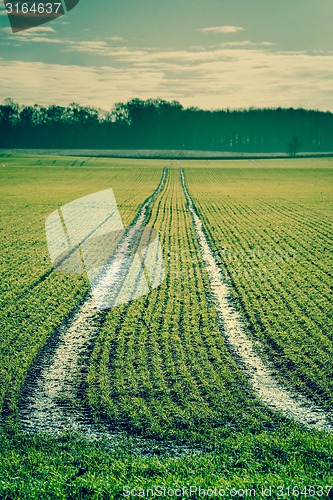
column 211, row 54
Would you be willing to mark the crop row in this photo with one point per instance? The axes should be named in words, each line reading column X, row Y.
column 34, row 298
column 279, row 268
column 160, row 366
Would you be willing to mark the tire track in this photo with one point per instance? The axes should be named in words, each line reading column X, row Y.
column 53, row 400
column 293, row 405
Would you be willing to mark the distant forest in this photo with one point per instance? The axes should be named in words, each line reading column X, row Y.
column 159, row 124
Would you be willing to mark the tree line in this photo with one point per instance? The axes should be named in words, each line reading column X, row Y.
column 160, row 124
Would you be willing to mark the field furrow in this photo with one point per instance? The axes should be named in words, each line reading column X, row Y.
column 279, row 270
column 35, row 299
column 52, row 399
column 165, row 370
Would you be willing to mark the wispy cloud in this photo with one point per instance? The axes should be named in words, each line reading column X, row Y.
column 222, row 29
column 102, row 86
column 41, row 39
column 38, row 34
column 215, row 78
column 6, row 31
column 247, row 43
column 46, row 34
column 116, row 39
column 40, row 30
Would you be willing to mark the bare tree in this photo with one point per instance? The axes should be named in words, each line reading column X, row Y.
column 294, row 145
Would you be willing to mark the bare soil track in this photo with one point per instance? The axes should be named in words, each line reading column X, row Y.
column 292, row 404
column 53, row 400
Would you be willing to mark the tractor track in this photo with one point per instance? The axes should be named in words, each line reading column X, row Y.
column 294, row 405
column 53, row 399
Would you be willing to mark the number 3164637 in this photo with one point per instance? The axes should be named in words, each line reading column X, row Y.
column 33, row 8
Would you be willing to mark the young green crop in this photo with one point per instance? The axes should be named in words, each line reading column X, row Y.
column 160, row 367
column 271, row 229
column 34, row 299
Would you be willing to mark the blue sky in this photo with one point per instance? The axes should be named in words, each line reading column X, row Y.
column 206, row 53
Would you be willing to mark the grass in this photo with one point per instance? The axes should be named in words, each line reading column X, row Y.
column 34, row 300
column 160, row 368
column 44, row 468
column 273, row 236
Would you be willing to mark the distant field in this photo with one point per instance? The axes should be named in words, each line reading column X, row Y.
column 160, row 367
column 149, row 154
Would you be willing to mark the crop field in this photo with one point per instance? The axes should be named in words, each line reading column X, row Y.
column 274, row 243
column 175, row 403
column 33, row 299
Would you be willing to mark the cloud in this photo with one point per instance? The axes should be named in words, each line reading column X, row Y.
column 116, row 39
column 41, row 39
column 6, row 31
column 219, row 77
column 38, row 35
column 26, row 37
column 40, row 30
column 89, row 46
column 247, row 43
column 222, row 29
column 45, row 34
column 53, row 83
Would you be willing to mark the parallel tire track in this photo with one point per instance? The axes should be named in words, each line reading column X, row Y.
column 294, row 406
column 52, row 399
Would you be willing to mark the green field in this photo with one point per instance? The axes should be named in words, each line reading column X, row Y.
column 273, row 237
column 160, row 372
